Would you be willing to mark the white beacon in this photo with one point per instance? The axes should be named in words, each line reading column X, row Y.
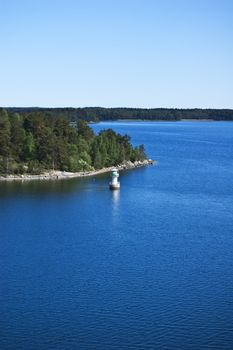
column 114, row 184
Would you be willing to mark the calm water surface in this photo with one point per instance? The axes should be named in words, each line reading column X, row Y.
column 149, row 267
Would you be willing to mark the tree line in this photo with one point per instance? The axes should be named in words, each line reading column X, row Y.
column 32, row 143
column 99, row 113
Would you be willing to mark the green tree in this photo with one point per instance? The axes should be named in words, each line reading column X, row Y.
column 97, row 161
column 5, row 135
column 84, row 130
column 28, row 147
column 17, row 136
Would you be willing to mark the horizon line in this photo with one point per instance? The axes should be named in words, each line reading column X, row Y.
column 63, row 107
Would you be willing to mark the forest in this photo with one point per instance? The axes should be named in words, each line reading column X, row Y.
column 33, row 142
column 99, row 113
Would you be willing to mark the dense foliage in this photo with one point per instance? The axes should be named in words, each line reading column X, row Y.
column 33, row 142
column 98, row 113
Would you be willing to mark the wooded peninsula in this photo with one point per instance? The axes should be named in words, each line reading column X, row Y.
column 33, row 140
column 31, row 143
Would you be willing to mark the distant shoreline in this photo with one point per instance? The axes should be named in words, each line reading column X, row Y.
column 158, row 120
column 123, row 113
column 59, row 175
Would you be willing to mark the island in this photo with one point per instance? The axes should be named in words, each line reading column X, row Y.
column 95, row 114
column 38, row 146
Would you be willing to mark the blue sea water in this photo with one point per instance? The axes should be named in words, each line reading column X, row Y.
column 148, row 267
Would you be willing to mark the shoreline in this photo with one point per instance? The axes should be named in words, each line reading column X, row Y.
column 61, row 175
column 160, row 120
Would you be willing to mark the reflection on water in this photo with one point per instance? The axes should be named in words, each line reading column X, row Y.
column 115, row 202
column 52, row 187
column 43, row 187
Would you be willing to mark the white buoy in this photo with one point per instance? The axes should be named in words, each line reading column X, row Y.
column 114, row 184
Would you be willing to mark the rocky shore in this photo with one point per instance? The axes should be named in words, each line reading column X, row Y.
column 56, row 174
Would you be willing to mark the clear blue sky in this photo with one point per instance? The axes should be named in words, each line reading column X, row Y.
column 139, row 53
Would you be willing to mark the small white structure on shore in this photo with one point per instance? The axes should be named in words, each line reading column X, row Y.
column 114, row 184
